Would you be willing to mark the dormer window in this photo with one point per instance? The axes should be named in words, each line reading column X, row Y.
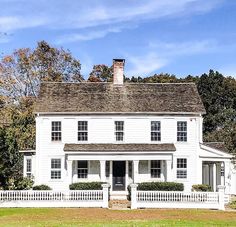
column 119, row 130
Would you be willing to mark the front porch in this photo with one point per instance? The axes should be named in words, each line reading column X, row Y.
column 119, row 173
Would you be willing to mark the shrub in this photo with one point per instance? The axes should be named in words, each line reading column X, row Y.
column 157, row 186
column 41, row 187
column 24, row 183
column 160, row 186
column 232, row 205
column 201, row 188
column 96, row 185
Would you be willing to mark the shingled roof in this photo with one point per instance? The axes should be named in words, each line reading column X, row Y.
column 217, row 145
column 90, row 97
column 108, row 147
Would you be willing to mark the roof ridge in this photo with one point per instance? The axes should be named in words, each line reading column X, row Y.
column 88, row 82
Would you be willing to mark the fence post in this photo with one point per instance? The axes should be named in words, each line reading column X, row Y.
column 105, row 191
column 221, row 191
column 133, row 196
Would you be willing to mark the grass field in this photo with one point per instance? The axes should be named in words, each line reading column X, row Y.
column 104, row 217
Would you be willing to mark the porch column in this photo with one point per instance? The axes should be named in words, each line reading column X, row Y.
column 222, row 173
column 135, row 170
column 169, row 176
column 103, row 170
column 214, row 176
column 227, row 176
column 69, row 170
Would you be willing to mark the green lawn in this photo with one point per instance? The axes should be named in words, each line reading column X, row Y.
column 104, row 217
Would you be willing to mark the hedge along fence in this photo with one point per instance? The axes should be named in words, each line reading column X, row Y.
column 157, row 186
column 41, row 187
column 95, row 185
column 201, row 188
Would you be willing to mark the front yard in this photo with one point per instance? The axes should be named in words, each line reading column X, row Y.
column 104, row 217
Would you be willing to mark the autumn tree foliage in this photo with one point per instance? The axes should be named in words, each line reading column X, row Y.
column 101, row 73
column 22, row 72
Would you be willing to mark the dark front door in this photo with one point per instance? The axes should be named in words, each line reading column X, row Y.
column 118, row 175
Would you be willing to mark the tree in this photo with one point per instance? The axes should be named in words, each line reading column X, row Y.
column 101, row 73
column 22, row 72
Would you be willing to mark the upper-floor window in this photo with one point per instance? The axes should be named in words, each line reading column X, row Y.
column 28, row 167
column 82, row 169
column 55, row 168
column 181, row 168
column 182, row 131
column 155, row 131
column 155, row 169
column 82, row 130
column 119, row 130
column 56, row 131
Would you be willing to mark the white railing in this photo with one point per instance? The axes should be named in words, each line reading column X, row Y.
column 177, row 199
column 77, row 198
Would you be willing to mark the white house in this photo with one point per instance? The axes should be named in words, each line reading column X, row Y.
column 123, row 133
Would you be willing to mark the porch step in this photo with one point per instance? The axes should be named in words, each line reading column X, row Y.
column 118, row 197
column 119, row 204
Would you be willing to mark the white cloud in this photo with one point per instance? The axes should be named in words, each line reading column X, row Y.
column 85, row 36
column 159, row 54
column 11, row 23
column 60, row 14
column 144, row 65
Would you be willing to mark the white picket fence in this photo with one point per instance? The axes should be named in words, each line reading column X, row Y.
column 173, row 199
column 73, row 198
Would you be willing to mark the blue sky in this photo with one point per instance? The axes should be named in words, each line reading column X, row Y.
column 178, row 37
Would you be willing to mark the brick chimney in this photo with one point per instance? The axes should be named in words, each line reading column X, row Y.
column 118, row 71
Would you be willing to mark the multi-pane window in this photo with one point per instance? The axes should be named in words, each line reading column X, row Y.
column 107, row 168
column 155, row 131
column 155, row 169
column 28, row 167
column 56, row 131
column 182, row 131
column 82, row 169
column 82, row 130
column 119, row 130
column 56, row 168
column 222, row 170
column 181, row 168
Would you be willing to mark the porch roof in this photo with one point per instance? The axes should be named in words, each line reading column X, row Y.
column 108, row 147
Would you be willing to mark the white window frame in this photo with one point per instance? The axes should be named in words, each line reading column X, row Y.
column 157, row 131
column 182, row 172
column 119, row 131
column 28, row 173
column 55, row 169
column 182, row 131
column 155, row 168
column 83, row 130
column 56, row 134
column 78, row 168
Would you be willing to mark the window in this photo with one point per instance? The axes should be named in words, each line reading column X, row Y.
column 82, row 169
column 28, row 167
column 82, row 130
column 222, row 171
column 181, row 168
column 107, row 168
column 130, row 169
column 56, row 131
column 119, row 130
column 182, row 131
column 155, row 169
column 55, row 168
column 155, row 131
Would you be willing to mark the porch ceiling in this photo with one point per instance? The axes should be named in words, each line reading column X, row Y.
column 164, row 147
